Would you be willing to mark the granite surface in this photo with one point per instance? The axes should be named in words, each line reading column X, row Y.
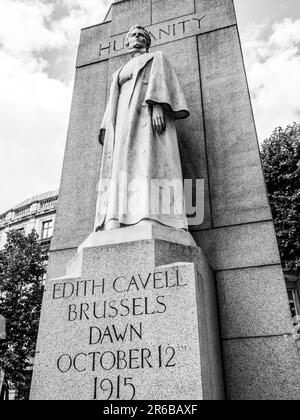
column 82, row 160
column 240, row 246
column 171, row 9
column 130, row 234
column 237, row 183
column 129, row 328
column 127, row 13
column 58, row 260
column 253, row 302
column 265, row 368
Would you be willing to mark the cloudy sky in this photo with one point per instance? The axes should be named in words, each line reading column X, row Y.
column 38, row 45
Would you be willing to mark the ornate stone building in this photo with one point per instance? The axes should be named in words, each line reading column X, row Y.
column 36, row 213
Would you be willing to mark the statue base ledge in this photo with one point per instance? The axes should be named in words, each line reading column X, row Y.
column 138, row 233
column 125, row 235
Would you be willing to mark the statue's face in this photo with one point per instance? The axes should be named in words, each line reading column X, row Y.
column 137, row 40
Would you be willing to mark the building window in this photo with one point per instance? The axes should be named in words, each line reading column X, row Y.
column 294, row 304
column 21, row 230
column 47, row 229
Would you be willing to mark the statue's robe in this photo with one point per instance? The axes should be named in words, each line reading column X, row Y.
column 142, row 155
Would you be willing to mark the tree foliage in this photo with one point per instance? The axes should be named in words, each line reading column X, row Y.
column 281, row 162
column 21, row 272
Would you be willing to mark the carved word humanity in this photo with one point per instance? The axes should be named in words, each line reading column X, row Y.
column 160, row 34
column 87, row 302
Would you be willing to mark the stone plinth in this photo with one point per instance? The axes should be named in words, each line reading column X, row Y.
column 128, row 328
column 218, row 144
column 141, row 232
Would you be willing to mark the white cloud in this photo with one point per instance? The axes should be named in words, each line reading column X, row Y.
column 33, row 119
column 34, row 106
column 30, row 25
column 81, row 14
column 273, row 68
column 25, row 26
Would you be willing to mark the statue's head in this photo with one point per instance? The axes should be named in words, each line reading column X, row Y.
column 138, row 38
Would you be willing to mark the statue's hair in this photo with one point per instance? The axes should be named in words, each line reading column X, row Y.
column 146, row 33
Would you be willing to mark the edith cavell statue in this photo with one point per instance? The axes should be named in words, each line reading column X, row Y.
column 140, row 146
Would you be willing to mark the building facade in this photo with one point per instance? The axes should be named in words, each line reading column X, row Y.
column 36, row 213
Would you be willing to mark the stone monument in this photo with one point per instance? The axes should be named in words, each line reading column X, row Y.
column 133, row 312
column 140, row 145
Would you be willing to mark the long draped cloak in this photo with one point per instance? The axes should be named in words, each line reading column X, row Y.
column 137, row 162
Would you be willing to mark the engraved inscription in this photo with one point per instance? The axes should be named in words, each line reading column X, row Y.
column 160, row 34
column 112, row 314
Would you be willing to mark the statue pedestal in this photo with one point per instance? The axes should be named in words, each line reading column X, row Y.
column 138, row 321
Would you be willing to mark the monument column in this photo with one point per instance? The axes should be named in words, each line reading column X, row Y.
column 236, row 242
